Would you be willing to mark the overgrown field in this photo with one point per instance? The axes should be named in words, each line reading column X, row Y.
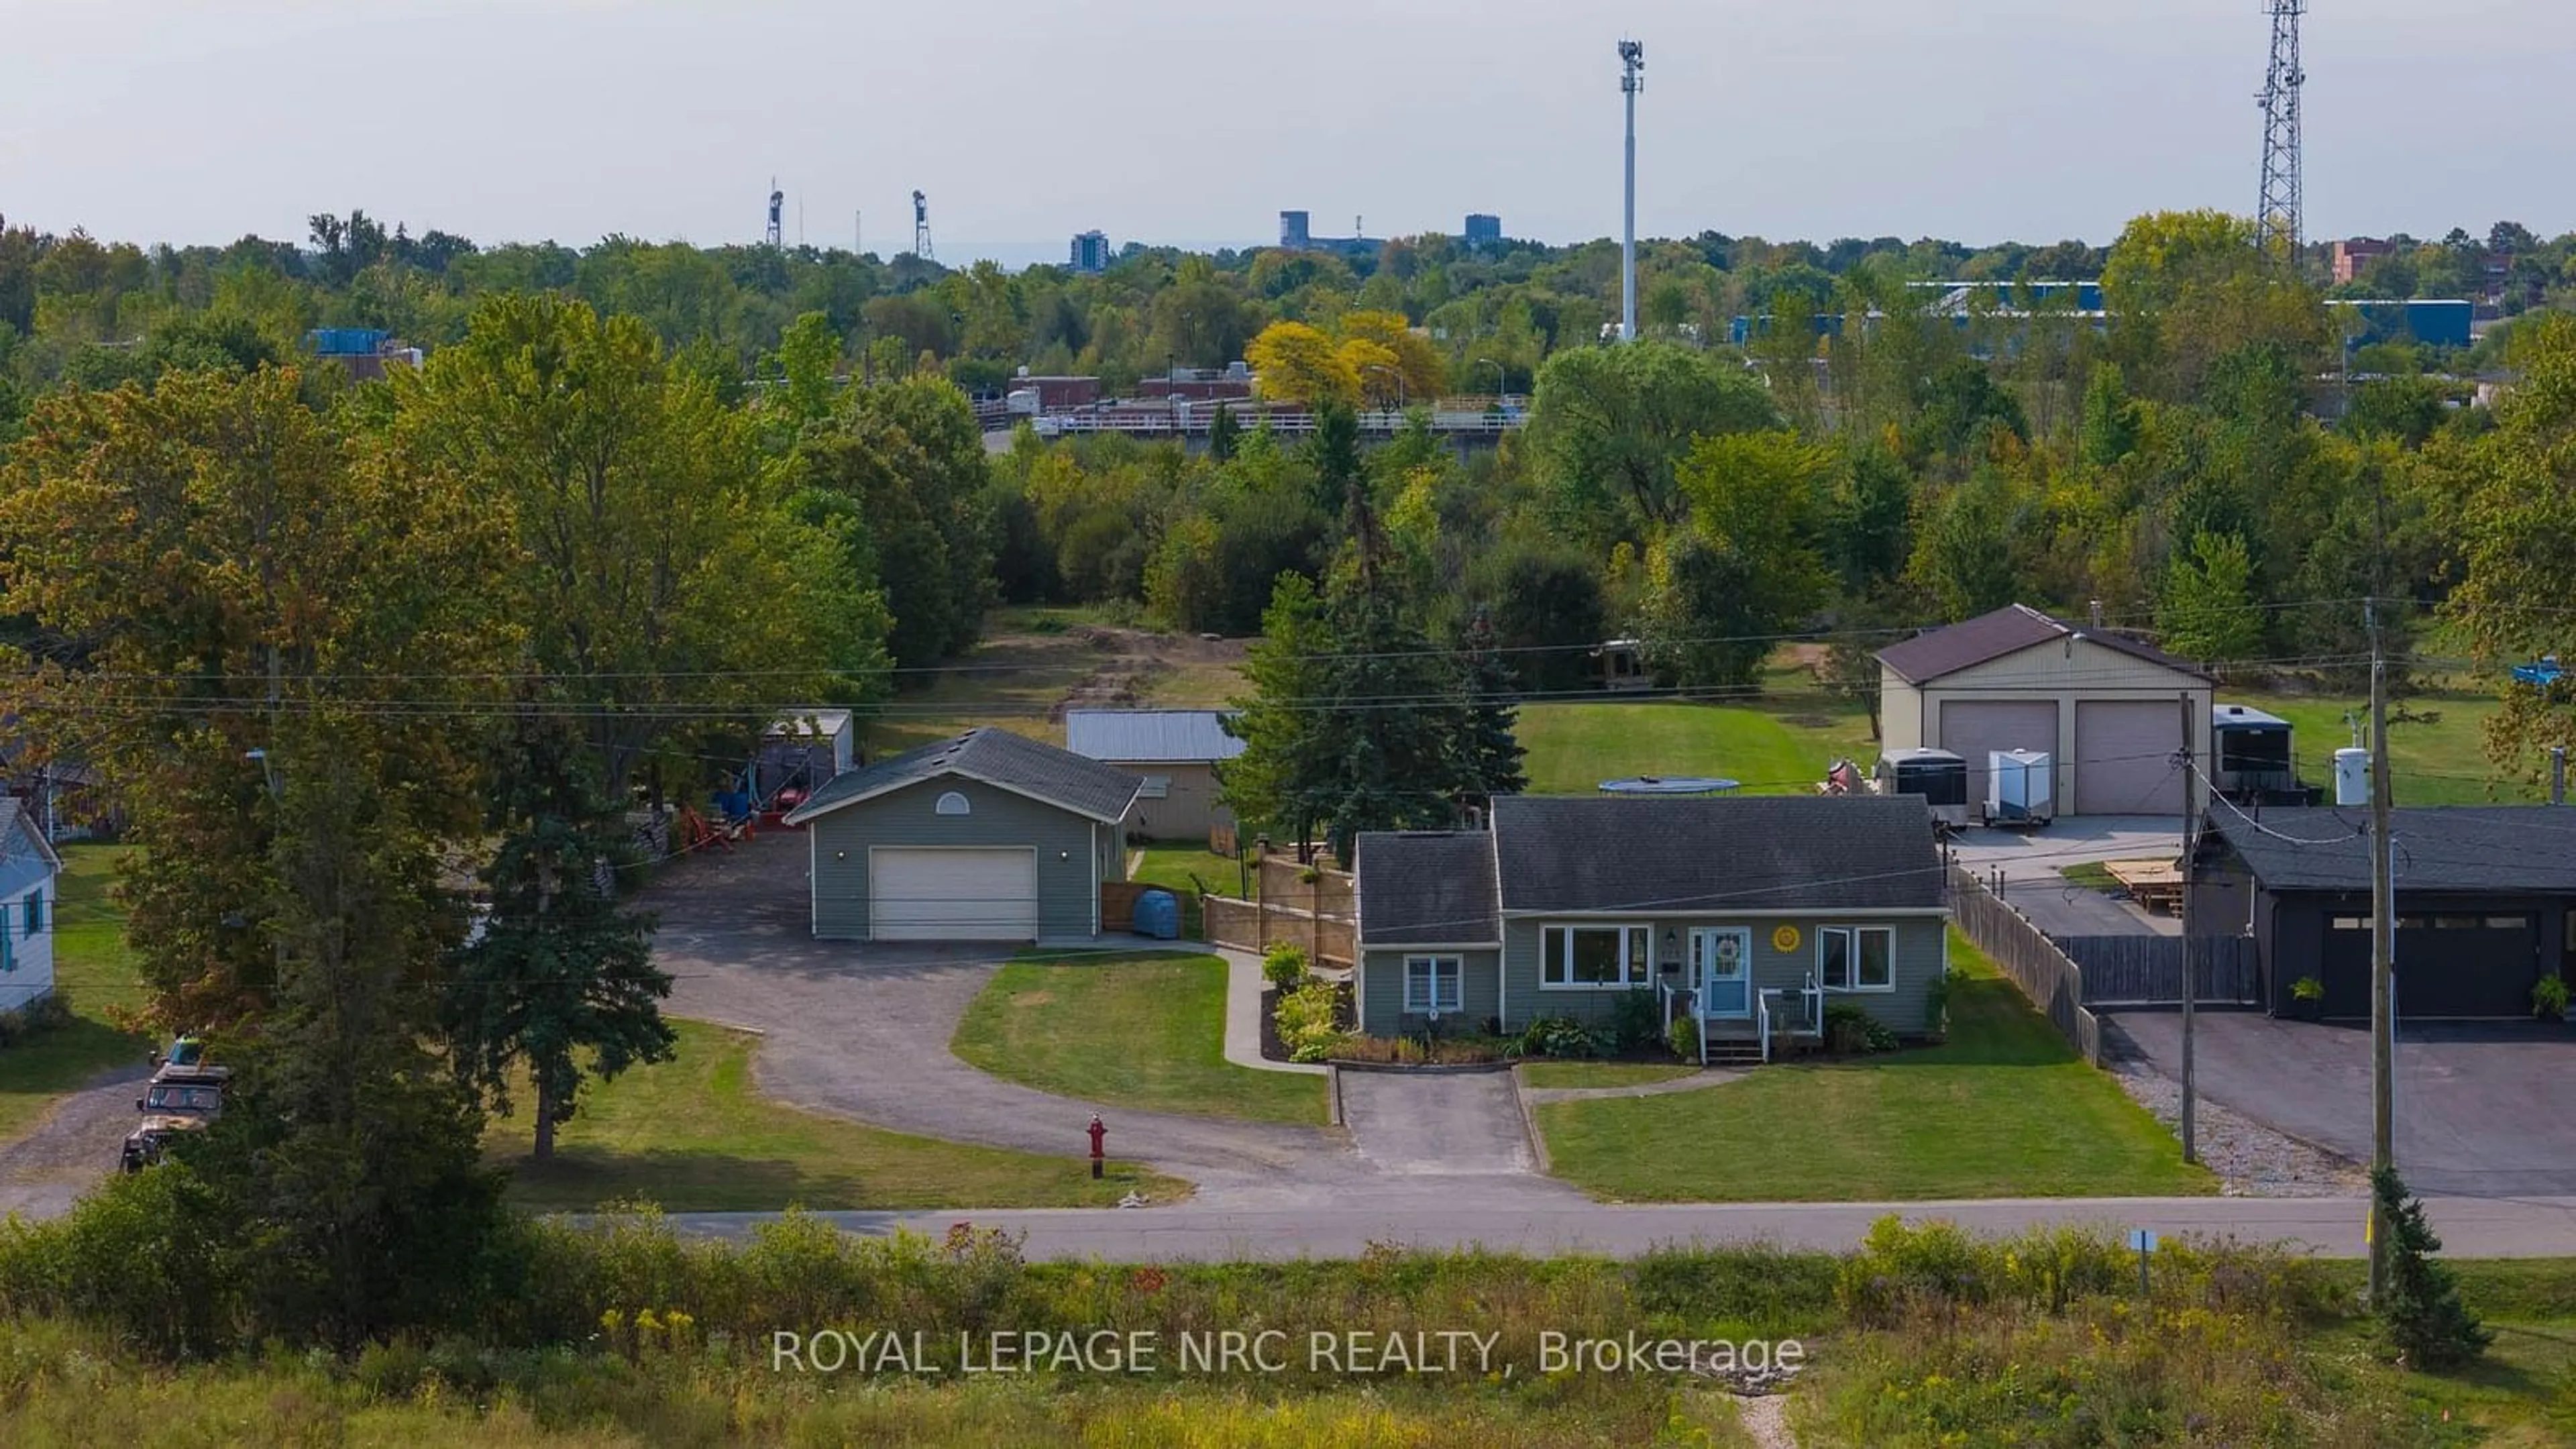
column 631, row 1335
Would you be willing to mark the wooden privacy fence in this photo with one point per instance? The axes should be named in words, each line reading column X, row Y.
column 2147, row 970
column 1308, row 905
column 2044, row 973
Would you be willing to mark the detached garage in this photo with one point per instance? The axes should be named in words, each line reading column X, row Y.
column 990, row 836
column 2108, row 710
column 2486, row 904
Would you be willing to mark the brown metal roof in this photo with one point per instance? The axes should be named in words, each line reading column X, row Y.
column 1937, row 653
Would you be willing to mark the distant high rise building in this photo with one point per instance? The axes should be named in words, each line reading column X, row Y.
column 1483, row 228
column 1293, row 230
column 1091, row 251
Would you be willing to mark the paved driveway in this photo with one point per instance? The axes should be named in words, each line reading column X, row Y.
column 2482, row 1111
column 862, row 1031
column 1447, row 1124
column 2035, row 855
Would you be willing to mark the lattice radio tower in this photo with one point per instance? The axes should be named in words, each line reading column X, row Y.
column 777, row 205
column 921, row 226
column 2278, row 220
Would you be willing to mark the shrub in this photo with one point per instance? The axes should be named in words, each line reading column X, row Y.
column 1636, row 1022
column 1851, row 1031
column 2549, row 998
column 1683, row 1038
column 35, row 1018
column 1562, row 1037
column 2308, row 988
column 1421, row 1051
column 1936, row 1005
column 2419, row 1310
column 1284, row 964
column 1308, row 1021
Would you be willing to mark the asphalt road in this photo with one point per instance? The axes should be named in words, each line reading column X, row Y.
column 2469, row 1227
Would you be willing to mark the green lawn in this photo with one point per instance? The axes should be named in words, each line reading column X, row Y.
column 1573, row 747
column 1602, row 1074
column 2436, row 762
column 1182, row 869
column 1131, row 1030
column 2003, row 1109
column 693, row 1135
column 2091, row 874
column 95, row 971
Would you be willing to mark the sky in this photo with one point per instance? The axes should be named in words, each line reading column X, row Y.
column 1197, row 123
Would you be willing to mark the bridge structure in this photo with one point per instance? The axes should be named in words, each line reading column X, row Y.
column 1463, row 422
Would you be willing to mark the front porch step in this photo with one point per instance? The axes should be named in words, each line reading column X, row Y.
column 1734, row 1052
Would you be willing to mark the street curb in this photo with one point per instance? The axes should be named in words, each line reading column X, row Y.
column 1529, row 1126
column 1423, row 1069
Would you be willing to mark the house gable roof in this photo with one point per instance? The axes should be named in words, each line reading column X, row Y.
column 1938, row 653
column 1150, row 736
column 2506, row 849
column 25, row 858
column 997, row 758
column 1582, row 855
column 1427, row 888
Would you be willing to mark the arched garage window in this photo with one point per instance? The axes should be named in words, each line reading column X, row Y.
column 953, row 803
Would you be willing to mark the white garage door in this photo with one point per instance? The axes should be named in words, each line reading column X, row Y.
column 1972, row 728
column 2124, row 753
column 953, row 895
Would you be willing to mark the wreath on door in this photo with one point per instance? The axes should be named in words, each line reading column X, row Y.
column 1729, row 948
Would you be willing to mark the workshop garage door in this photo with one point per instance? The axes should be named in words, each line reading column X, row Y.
column 1971, row 729
column 2447, row 966
column 2124, row 757
column 953, row 895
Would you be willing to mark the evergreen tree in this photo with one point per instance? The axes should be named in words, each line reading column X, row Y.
column 559, row 969
column 1488, row 749
column 2207, row 611
column 2419, row 1309
column 1224, row 433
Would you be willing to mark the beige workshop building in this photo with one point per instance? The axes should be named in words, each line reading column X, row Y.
column 2108, row 710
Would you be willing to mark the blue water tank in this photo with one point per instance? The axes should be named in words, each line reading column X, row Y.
column 1158, row 914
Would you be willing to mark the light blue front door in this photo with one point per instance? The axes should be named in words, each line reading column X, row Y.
column 1721, row 961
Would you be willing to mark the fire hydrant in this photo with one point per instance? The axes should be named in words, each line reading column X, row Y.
column 1099, row 1134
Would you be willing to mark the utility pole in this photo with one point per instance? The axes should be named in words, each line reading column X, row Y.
column 2383, row 953
column 2190, row 975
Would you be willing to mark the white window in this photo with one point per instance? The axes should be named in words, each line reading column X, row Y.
column 1595, row 958
column 1856, row 958
column 1432, row 984
column 1156, row 787
column 953, row 803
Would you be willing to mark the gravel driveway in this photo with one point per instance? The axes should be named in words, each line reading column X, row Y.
column 73, row 1149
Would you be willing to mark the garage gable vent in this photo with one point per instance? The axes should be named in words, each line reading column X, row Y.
column 953, row 803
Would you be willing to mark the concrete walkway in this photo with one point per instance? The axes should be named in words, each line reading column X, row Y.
column 1458, row 1219
column 1243, row 983
column 1700, row 1080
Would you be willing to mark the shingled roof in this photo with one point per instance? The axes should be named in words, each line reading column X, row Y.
column 995, row 757
column 2464, row 848
column 1427, row 888
column 1767, row 853
column 1939, row 652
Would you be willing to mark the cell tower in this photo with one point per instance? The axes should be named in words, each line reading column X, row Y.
column 777, row 206
column 2278, row 221
column 921, row 226
column 1632, row 79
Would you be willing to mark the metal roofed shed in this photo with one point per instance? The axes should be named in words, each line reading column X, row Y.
column 1177, row 751
column 1670, row 785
